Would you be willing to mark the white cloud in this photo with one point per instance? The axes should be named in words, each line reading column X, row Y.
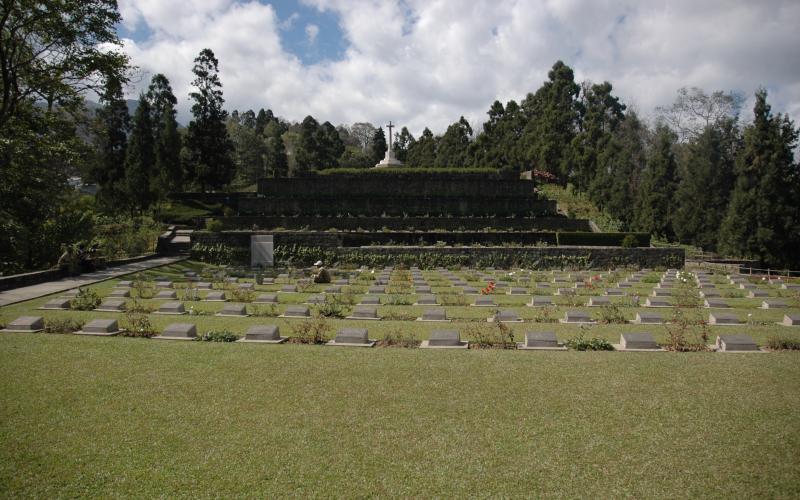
column 427, row 62
column 312, row 30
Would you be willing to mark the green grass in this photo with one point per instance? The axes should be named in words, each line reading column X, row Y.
column 578, row 206
column 131, row 417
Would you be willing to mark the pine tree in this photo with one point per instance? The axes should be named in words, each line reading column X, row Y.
column 403, row 141
column 423, row 152
column 552, row 116
column 331, row 144
column 309, row 153
column 208, row 144
column 114, row 125
column 168, row 166
column 453, row 148
column 378, row 146
column 762, row 220
column 276, row 163
column 655, row 202
column 140, row 159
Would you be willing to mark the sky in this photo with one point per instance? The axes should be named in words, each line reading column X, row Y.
column 427, row 62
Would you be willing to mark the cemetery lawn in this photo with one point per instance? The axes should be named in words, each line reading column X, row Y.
column 103, row 417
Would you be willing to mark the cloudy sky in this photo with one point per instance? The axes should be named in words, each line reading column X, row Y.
column 427, row 62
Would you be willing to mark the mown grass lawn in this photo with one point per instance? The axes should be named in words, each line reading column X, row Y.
column 108, row 417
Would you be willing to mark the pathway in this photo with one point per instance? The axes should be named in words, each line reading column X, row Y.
column 64, row 284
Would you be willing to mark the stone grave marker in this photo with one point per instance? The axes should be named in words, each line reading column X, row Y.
column 315, row 299
column 422, row 289
column 231, row 280
column 648, row 318
column 444, row 339
column 370, row 301
column 334, row 289
column 263, row 334
column 541, row 341
column 247, row 286
column 505, row 316
column 790, row 286
column 25, row 324
column 364, row 312
column 624, row 285
column 716, row 304
column 233, row 310
column 710, row 294
column 773, row 304
column 736, row 343
column 296, row 312
column 262, row 250
column 746, row 286
column 484, row 301
column 565, row 291
column 166, row 294
column 111, row 305
column 377, row 289
column 542, row 285
column 171, row 308
column 124, row 284
column 163, row 284
column 121, row 293
column 638, row 342
column 470, row 290
column 56, row 304
column 215, row 297
column 791, row 320
column 352, row 337
column 655, row 302
column 434, row 314
column 178, row 331
column 757, row 294
column 517, row 291
column 288, row 289
column 576, row 317
column 661, row 293
column 539, row 301
column 100, row 327
column 722, row 319
column 614, row 292
column 598, row 301
column 204, row 285
column 266, row 298
column 426, row 300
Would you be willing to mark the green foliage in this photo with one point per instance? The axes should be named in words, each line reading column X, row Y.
column 220, row 253
column 687, row 331
column 378, row 146
column 86, row 300
column 604, row 239
column 423, row 152
column 496, row 335
column 655, row 203
column 137, row 324
column 112, row 139
column 217, row 336
column 400, row 337
column 214, row 225
column 62, row 325
column 453, row 148
column 140, row 159
column 168, row 172
column 311, row 331
column 427, row 172
column 332, row 307
column 611, row 314
column 781, row 343
column 580, row 343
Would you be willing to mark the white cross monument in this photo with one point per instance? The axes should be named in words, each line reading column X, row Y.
column 389, row 160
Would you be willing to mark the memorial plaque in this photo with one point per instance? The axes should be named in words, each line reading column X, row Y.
column 315, row 299
column 434, row 314
column 757, row 294
column 266, row 298
column 171, row 308
column 598, row 301
column 517, row 291
column 166, row 294
column 773, row 304
column 111, row 305
column 296, row 312
column 100, row 327
column 654, row 302
column 734, row 343
column 506, row 316
column 378, row 289
column 541, row 340
column 352, row 337
column 444, row 339
column 710, row 294
column 722, row 319
column 178, row 331
column 262, row 250
column 646, row 318
column 426, row 300
column 484, row 301
column 716, row 304
column 576, row 317
column 614, row 292
column 791, row 320
column 204, row 285
column 56, row 304
column 364, row 312
column 26, row 324
column 267, row 334
column 215, row 297
column 370, row 301
column 233, row 310
column 638, row 341
column 539, row 301
column 288, row 289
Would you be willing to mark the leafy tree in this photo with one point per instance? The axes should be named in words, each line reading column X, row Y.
column 453, row 147
column 402, row 142
column 500, row 144
column 208, row 145
column 363, row 132
column 168, row 168
column 109, row 173
column 423, row 152
column 655, row 203
column 763, row 220
column 693, row 111
column 378, row 146
column 140, row 158
column 552, row 116
column 55, row 50
column 248, row 150
column 704, row 185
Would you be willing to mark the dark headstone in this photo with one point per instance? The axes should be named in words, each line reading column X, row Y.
column 263, row 333
column 215, row 297
column 426, row 300
column 738, row 342
column 101, row 327
column 646, row 318
column 716, row 304
column 111, row 305
column 204, row 285
column 166, row 294
column 370, row 301
column 179, row 331
column 56, row 304
column 297, row 312
column 722, row 319
column 364, row 312
column 266, row 298
column 540, row 340
column 171, row 308
column 539, row 300
column 29, row 324
column 352, row 336
column 434, row 314
column 484, row 301
column 791, row 320
column 598, row 301
column 233, row 310
column 376, row 289
column 444, row 338
column 577, row 317
column 506, row 316
column 773, row 304
column 638, row 341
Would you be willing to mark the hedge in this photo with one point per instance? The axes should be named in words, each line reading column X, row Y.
column 603, row 239
column 488, row 173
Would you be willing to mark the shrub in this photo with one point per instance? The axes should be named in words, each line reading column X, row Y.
column 311, row 331
column 264, row 310
column 629, row 241
column 62, row 325
column 241, row 295
column 452, row 299
column 189, row 295
column 544, row 315
column 136, row 306
column 783, row 344
column 580, row 343
column 214, row 225
column 399, row 337
column 399, row 300
column 145, row 289
column 611, row 314
column 86, row 300
column 687, row 333
column 218, row 336
column 331, row 308
column 495, row 335
column 137, row 324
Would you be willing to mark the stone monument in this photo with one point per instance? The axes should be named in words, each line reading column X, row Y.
column 389, row 160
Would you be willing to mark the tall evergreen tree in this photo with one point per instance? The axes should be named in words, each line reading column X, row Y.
column 113, row 136
column 168, row 166
column 309, row 153
column 209, row 147
column 263, row 118
column 331, row 144
column 763, row 219
column 423, row 152
column 276, row 163
column 378, row 146
column 453, row 147
column 140, row 159
column 552, row 116
column 655, row 202
column 704, row 185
